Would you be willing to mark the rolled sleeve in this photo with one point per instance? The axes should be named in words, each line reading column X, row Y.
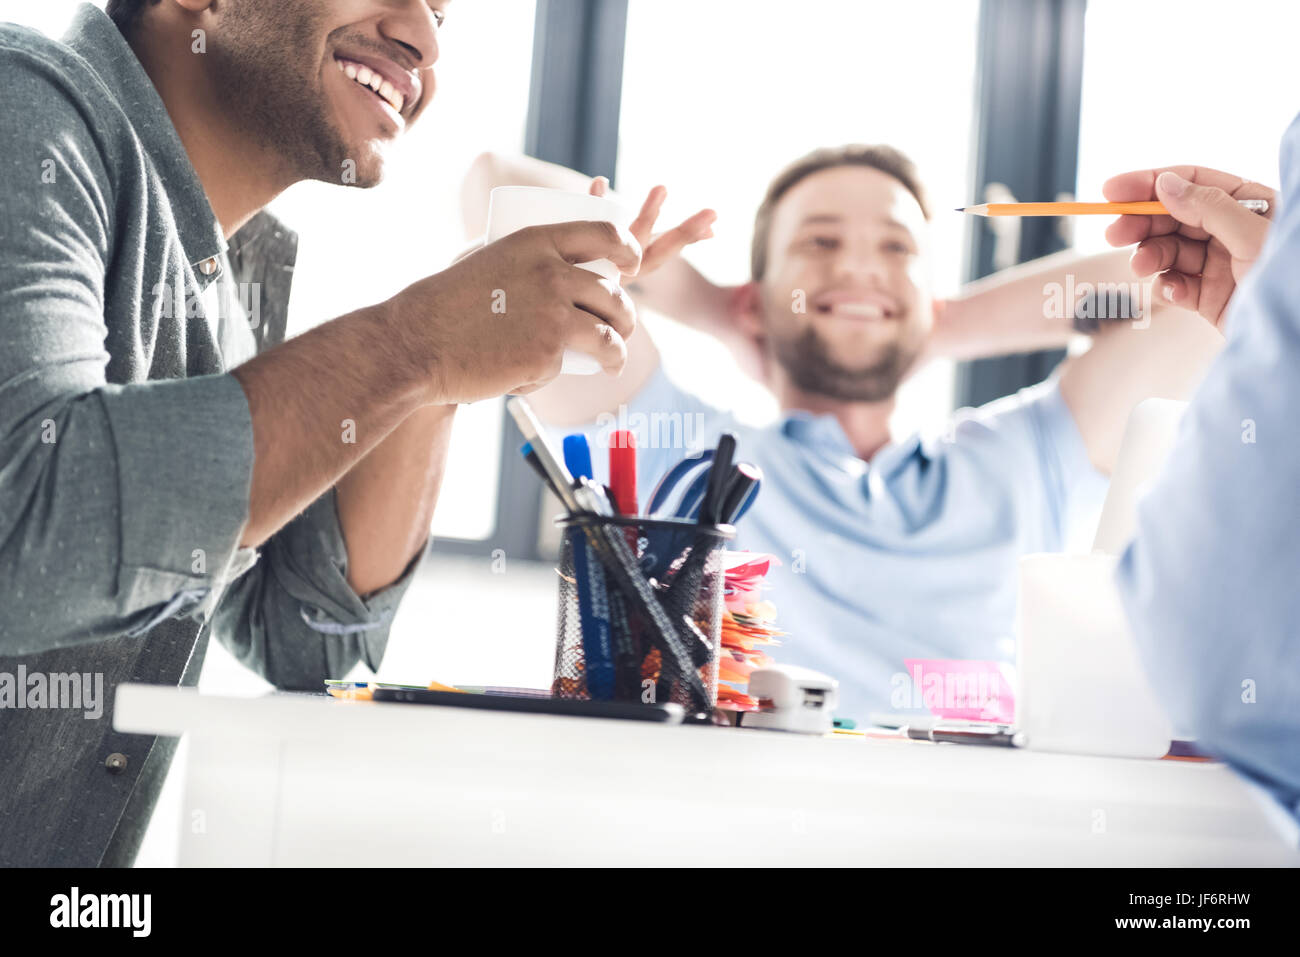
column 295, row 619
column 184, row 457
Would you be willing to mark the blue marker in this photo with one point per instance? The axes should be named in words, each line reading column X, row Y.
column 593, row 600
column 577, row 456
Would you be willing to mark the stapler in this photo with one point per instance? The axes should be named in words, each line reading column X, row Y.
column 791, row 698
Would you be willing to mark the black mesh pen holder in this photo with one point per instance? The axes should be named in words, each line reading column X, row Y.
column 651, row 606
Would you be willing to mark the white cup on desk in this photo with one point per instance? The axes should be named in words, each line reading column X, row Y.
column 1081, row 689
column 511, row 208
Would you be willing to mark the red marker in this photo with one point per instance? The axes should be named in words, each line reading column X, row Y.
column 622, row 471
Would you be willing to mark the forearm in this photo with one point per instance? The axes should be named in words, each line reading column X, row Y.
column 1025, row 308
column 490, row 170
column 679, row 290
column 319, row 403
column 1126, row 364
column 386, row 501
column 293, row 618
column 579, row 399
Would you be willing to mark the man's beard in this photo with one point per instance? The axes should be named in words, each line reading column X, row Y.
column 808, row 360
column 265, row 69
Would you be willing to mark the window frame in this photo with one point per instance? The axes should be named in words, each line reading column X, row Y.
column 1032, row 97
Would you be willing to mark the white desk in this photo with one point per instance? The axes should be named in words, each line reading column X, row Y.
column 295, row 780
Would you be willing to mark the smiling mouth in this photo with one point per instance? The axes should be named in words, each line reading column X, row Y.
column 364, row 77
column 869, row 311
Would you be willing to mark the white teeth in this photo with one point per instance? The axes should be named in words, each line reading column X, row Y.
column 868, row 309
column 367, row 77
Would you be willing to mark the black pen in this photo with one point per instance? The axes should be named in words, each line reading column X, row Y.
column 1000, row 736
column 739, row 487
column 719, row 474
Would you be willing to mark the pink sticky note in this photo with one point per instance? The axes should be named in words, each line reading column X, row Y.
column 745, row 572
column 954, row 688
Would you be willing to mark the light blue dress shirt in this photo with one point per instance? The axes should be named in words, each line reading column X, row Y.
column 1211, row 581
column 912, row 555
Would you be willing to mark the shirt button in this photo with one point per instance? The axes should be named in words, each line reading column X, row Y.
column 208, row 266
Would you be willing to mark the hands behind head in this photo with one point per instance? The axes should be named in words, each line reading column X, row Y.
column 1200, row 251
column 729, row 313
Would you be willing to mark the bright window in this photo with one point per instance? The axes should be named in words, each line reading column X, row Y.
column 1198, row 82
column 51, row 17
column 717, row 97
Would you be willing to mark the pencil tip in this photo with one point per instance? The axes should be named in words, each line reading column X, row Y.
column 960, row 209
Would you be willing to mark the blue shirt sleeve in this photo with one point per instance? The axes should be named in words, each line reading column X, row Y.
column 1210, row 580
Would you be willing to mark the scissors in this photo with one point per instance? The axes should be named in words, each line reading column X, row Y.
column 680, row 492
column 744, row 504
column 689, row 479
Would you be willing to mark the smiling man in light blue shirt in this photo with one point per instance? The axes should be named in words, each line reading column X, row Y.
column 910, row 555
column 1211, row 581
column 890, row 547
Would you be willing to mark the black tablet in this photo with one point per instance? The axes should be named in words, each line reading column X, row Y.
column 629, row 711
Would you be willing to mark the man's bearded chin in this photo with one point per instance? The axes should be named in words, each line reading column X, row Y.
column 808, row 360
column 294, row 122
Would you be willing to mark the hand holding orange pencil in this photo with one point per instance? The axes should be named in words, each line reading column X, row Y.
column 1204, row 244
column 1144, row 208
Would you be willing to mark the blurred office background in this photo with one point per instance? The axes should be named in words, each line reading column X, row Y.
column 711, row 98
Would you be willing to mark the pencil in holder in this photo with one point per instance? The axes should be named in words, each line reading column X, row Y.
column 640, row 610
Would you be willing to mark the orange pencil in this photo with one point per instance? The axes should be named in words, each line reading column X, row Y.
column 1151, row 208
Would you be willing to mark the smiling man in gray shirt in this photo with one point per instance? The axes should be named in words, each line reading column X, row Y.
column 155, row 487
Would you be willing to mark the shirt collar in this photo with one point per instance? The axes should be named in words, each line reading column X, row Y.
column 824, row 433
column 97, row 40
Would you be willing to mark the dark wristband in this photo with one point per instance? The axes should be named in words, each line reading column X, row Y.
column 1099, row 307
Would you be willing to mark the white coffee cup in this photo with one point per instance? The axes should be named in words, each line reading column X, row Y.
column 511, row 208
column 1081, row 687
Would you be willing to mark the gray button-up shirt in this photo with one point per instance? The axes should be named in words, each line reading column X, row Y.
column 126, row 451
